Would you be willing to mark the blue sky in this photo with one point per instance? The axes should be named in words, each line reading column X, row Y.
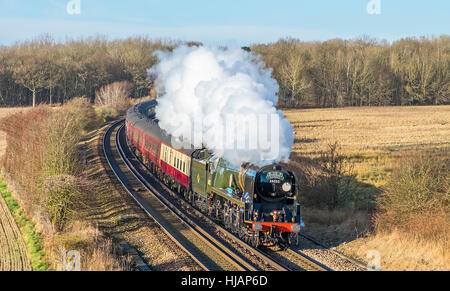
column 241, row 22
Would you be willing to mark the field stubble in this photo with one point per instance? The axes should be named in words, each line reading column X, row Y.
column 374, row 140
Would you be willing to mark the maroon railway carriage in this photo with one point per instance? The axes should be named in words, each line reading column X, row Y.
column 173, row 162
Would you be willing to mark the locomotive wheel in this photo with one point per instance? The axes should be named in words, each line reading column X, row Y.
column 225, row 217
column 284, row 240
column 255, row 240
column 242, row 233
column 237, row 221
column 228, row 216
column 191, row 197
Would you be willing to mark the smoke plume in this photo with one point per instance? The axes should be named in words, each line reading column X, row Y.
column 224, row 100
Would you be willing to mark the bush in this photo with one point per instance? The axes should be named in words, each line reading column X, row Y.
column 23, row 162
column 61, row 155
column 329, row 182
column 61, row 195
column 97, row 251
column 417, row 195
column 338, row 178
column 419, row 183
column 82, row 108
column 107, row 114
column 115, row 95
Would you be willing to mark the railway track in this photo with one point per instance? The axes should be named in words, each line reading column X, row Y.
column 343, row 256
column 279, row 261
column 295, row 261
column 208, row 252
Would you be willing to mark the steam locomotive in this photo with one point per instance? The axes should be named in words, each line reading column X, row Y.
column 259, row 204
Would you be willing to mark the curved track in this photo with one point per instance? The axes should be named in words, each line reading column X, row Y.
column 209, row 253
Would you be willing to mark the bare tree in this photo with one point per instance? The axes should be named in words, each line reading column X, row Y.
column 29, row 72
column 293, row 76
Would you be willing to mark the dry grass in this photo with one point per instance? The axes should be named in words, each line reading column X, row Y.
column 371, row 137
column 337, row 226
column 400, row 252
column 96, row 250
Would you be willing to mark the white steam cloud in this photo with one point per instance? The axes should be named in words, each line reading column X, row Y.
column 224, row 100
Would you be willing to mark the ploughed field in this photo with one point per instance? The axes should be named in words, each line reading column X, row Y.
column 370, row 137
column 13, row 251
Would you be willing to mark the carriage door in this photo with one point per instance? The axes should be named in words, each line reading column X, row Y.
column 211, row 172
column 198, row 174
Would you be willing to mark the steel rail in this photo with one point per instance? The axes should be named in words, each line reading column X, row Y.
column 296, row 260
column 338, row 253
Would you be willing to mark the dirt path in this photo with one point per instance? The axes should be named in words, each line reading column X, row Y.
column 13, row 251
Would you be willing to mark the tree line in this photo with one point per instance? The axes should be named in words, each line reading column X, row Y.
column 360, row 72
column 44, row 71
column 334, row 73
